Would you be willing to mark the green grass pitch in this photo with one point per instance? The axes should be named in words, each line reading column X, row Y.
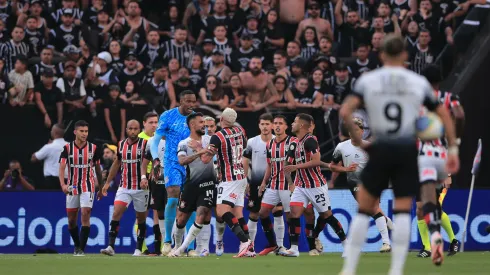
column 474, row 263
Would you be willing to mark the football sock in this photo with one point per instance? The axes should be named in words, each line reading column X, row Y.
column 84, row 233
column 74, row 236
column 161, row 225
column 233, row 224
column 179, row 231
column 357, row 237
column 380, row 221
column 424, row 234
column 244, row 227
column 294, row 231
column 336, row 226
column 310, row 235
column 269, row 231
column 446, row 224
column 188, row 226
column 220, row 230
column 432, row 216
column 144, row 247
column 158, row 238
column 113, row 231
column 252, row 228
column 191, row 235
column 202, row 239
column 141, row 235
column 170, row 214
column 279, row 229
column 401, row 241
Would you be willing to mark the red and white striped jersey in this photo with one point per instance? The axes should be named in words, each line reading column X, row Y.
column 228, row 144
column 81, row 163
column 437, row 148
column 277, row 153
column 131, row 156
column 301, row 152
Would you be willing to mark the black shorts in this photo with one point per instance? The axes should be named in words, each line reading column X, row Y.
column 158, row 196
column 254, row 200
column 194, row 196
column 395, row 164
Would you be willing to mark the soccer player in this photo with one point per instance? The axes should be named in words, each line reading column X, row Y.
column 81, row 157
column 133, row 186
column 350, row 158
column 392, row 96
column 228, row 145
column 432, row 156
column 256, row 151
column 310, row 185
column 158, row 194
column 277, row 189
column 198, row 193
column 172, row 125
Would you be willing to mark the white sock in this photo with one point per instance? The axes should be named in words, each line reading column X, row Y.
column 383, row 229
column 401, row 241
column 191, row 235
column 220, row 230
column 252, row 229
column 202, row 239
column 161, row 224
column 294, row 247
column 279, row 230
column 355, row 240
column 178, row 234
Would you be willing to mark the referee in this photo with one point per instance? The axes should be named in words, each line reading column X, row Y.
column 50, row 154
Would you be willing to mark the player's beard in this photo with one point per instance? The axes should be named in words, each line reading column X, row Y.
column 255, row 71
column 200, row 132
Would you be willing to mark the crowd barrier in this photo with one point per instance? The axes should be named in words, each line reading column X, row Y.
column 37, row 220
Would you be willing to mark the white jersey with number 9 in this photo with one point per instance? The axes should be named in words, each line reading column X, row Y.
column 392, row 97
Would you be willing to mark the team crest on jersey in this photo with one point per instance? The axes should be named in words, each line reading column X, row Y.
column 356, row 156
column 182, row 204
column 228, row 51
column 186, row 54
column 429, row 59
column 291, row 147
column 68, row 38
column 138, row 152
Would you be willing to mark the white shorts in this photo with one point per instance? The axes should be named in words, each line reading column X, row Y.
column 273, row 197
column 232, row 192
column 74, row 202
column 432, row 169
column 317, row 196
column 141, row 198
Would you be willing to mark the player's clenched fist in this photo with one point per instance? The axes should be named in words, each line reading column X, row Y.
column 144, row 183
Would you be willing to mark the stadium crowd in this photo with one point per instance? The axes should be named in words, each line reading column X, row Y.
column 108, row 62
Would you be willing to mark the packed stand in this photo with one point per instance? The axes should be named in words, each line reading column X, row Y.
column 111, row 61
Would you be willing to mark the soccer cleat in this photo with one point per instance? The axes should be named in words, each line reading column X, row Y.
column 220, row 248
column 453, row 248
column 78, row 252
column 268, row 250
column 318, row 245
column 138, row 253
column 290, row 253
column 385, row 248
column 192, row 253
column 109, row 251
column 146, row 252
column 389, row 224
column 167, row 248
column 437, row 247
column 204, row 253
column 250, row 254
column 314, row 252
column 424, row 254
column 280, row 250
column 244, row 247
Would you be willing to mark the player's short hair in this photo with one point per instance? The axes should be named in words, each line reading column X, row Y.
column 149, row 115
column 208, row 118
column 393, row 45
column 186, row 92
column 282, row 117
column 229, row 115
column 191, row 117
column 281, row 53
column 306, row 117
column 266, row 116
column 81, row 123
column 358, row 121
